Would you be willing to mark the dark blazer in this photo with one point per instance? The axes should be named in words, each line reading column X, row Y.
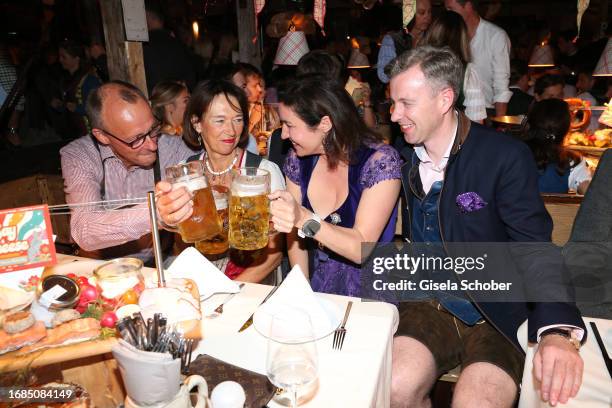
column 588, row 254
column 278, row 149
column 501, row 170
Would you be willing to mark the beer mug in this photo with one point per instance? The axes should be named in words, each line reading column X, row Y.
column 204, row 223
column 262, row 142
column 217, row 244
column 249, row 209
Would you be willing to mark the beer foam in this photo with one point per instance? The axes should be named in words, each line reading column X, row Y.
column 191, row 184
column 221, row 203
column 248, row 190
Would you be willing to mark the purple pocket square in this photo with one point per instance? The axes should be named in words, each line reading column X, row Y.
column 469, row 202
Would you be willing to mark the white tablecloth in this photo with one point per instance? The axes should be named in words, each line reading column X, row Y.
column 357, row 376
column 596, row 390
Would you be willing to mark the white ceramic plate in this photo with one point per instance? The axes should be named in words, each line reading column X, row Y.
column 323, row 324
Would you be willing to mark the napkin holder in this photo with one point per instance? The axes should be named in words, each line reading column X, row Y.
column 258, row 389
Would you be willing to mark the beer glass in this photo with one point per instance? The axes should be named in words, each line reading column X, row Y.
column 217, row 244
column 262, row 142
column 249, row 209
column 204, row 223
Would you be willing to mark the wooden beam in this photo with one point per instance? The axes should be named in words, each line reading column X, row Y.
column 125, row 58
column 248, row 51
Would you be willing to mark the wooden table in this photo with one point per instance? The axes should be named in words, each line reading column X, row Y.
column 357, row 376
column 89, row 364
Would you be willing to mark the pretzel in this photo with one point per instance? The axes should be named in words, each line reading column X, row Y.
column 577, row 105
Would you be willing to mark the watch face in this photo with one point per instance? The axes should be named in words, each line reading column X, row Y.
column 310, row 228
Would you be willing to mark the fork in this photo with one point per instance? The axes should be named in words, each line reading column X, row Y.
column 219, row 310
column 340, row 332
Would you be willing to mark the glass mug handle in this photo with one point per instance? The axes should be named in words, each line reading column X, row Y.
column 271, row 230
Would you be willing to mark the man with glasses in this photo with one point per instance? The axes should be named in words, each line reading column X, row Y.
column 108, row 173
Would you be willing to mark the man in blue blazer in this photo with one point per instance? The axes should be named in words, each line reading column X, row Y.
column 464, row 182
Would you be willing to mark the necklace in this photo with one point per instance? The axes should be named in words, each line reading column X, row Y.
column 222, row 172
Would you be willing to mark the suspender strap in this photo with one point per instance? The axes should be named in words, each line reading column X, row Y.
column 193, row 158
column 156, row 169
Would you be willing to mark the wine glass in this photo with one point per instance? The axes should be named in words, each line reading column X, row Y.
column 292, row 362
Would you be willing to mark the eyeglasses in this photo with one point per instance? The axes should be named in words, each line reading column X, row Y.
column 152, row 134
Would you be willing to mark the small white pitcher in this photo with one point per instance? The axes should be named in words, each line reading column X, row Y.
column 183, row 398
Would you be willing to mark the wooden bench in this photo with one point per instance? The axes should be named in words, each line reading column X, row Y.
column 563, row 209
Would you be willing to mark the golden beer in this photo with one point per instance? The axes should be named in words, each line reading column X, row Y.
column 204, row 223
column 217, row 244
column 262, row 142
column 249, row 209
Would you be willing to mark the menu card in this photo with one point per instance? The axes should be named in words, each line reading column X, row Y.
column 26, row 238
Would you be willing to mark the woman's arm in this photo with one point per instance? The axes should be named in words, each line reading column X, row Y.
column 375, row 207
column 298, row 255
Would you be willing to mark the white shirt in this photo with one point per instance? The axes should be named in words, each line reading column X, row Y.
column 490, row 48
column 429, row 171
column 474, row 100
column 578, row 174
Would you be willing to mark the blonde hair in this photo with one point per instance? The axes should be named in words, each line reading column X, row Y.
column 450, row 30
column 165, row 93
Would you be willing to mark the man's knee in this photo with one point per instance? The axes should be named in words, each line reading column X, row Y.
column 413, row 373
column 484, row 385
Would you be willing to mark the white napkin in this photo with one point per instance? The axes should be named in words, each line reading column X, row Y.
column 293, row 298
column 191, row 264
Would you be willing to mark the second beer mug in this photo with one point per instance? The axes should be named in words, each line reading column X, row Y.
column 204, row 223
column 218, row 244
column 249, row 209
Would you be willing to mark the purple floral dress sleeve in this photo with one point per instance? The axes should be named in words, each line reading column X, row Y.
column 384, row 164
column 292, row 167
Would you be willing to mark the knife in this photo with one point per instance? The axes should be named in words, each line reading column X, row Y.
column 249, row 321
column 602, row 347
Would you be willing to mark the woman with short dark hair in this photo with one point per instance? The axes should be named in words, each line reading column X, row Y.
column 342, row 184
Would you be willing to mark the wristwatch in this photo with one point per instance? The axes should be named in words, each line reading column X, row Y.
column 567, row 333
column 311, row 227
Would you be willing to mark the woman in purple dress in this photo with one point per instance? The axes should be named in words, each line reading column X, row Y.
column 342, row 185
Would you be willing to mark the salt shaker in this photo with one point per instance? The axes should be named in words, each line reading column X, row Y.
column 228, row 394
